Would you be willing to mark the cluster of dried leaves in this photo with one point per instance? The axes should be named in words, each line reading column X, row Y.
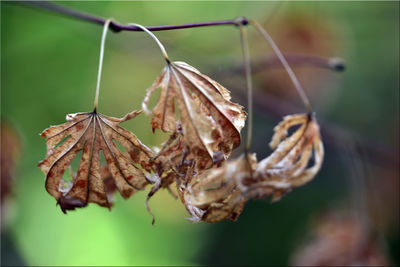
column 194, row 157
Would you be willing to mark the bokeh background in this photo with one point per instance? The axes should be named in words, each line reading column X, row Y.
column 350, row 212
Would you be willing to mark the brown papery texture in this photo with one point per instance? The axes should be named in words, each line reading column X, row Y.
column 92, row 133
column 295, row 161
column 211, row 123
column 214, row 195
column 221, row 192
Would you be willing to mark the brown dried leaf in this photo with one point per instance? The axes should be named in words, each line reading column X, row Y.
column 172, row 152
column 214, row 195
column 210, row 122
column 287, row 167
column 92, row 132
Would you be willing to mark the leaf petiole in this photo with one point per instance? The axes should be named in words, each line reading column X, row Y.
column 103, row 41
column 162, row 48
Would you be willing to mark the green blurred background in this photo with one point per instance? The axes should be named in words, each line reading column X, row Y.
column 48, row 69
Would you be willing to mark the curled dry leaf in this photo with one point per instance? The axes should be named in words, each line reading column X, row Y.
column 171, row 162
column 214, row 195
column 211, row 123
column 92, row 132
column 288, row 166
column 172, row 154
column 220, row 193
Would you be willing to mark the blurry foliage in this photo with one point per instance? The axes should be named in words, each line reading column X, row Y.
column 298, row 32
column 340, row 240
column 10, row 155
column 44, row 54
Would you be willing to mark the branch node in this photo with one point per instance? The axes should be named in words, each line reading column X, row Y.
column 115, row 27
column 241, row 21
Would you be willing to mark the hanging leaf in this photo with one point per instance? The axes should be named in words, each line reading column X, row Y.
column 92, row 132
column 288, row 166
column 214, row 195
column 211, row 123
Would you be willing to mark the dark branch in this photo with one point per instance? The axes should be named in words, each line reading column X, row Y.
column 117, row 27
column 295, row 60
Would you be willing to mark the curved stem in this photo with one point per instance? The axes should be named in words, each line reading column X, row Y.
column 285, row 64
column 162, row 48
column 103, row 41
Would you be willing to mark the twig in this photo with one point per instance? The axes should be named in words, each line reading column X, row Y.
column 117, row 27
column 294, row 59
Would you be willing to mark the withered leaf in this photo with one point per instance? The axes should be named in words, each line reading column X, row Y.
column 210, row 122
column 288, row 166
column 93, row 132
column 172, row 152
column 214, row 195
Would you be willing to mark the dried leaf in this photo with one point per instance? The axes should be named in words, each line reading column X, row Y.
column 214, row 195
column 92, row 132
column 172, row 153
column 288, row 166
column 210, row 122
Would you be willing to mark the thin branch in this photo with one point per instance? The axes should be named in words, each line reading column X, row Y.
column 294, row 59
column 272, row 62
column 117, row 27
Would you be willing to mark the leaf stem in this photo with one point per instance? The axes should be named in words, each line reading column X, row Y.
column 103, row 41
column 162, row 48
column 287, row 67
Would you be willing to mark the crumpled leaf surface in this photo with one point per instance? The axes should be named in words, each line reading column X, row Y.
column 211, row 123
column 221, row 192
column 214, row 195
column 93, row 132
column 288, row 166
